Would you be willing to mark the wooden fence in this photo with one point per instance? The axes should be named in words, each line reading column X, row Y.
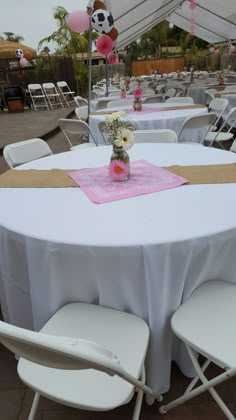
column 165, row 65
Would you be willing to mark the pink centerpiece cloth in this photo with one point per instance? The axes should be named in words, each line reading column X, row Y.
column 144, row 178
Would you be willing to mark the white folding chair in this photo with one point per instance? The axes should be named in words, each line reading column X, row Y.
column 86, row 356
column 218, row 105
column 82, row 112
column 202, row 122
column 160, row 89
column 153, row 99
column 116, row 93
column 80, row 101
column 170, row 93
column 210, row 95
column 220, row 136
column 37, row 96
column 120, row 102
column 205, row 323
column 147, row 91
column 52, row 95
column 25, row 151
column 94, row 95
column 66, row 93
column 180, row 99
column 233, row 147
column 155, row 136
column 76, row 127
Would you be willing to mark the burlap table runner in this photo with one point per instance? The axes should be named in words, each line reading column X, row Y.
column 225, row 93
column 59, row 178
column 168, row 108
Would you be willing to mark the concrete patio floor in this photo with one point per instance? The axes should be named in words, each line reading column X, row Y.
column 15, row 397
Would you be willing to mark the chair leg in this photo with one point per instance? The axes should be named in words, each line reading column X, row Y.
column 139, row 398
column 207, row 386
column 34, row 406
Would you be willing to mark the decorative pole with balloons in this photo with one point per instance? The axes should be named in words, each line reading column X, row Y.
column 96, row 17
column 23, row 58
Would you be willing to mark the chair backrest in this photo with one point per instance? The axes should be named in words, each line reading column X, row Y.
column 49, row 85
column 233, row 147
column 114, row 93
column 210, row 95
column 171, row 92
column 69, row 126
column 32, row 87
column 160, row 88
column 230, row 120
column 153, row 99
column 25, row 151
column 82, row 112
column 196, row 122
column 218, row 105
column 57, row 352
column 155, row 136
column 181, row 99
column 122, row 102
column 80, row 101
column 67, row 353
column 94, row 94
column 147, row 91
column 62, row 84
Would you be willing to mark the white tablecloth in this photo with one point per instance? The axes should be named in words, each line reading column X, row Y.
column 152, row 120
column 143, row 255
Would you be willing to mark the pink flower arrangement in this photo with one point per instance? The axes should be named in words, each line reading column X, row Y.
column 118, row 170
column 112, row 58
column 123, row 94
column 138, row 93
column 104, row 45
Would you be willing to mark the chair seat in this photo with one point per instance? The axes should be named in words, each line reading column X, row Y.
column 91, row 389
column 216, row 300
column 212, row 136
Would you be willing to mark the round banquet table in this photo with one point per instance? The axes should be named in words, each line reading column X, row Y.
column 171, row 119
column 144, row 255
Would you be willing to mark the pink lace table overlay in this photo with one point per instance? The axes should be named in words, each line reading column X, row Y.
column 145, row 178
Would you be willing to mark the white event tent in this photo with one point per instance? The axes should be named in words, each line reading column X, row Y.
column 215, row 20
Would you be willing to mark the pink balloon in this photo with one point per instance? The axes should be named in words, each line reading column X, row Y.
column 193, row 5
column 192, row 20
column 192, row 27
column 78, row 21
column 104, row 45
column 232, row 48
column 23, row 62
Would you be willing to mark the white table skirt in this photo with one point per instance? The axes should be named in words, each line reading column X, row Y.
column 143, row 255
column 154, row 120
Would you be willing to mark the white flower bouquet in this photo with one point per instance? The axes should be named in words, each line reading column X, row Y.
column 119, row 130
column 120, row 135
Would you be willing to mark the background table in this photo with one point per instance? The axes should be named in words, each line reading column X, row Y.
column 152, row 120
column 143, row 255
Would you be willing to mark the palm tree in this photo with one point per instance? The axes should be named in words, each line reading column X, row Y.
column 68, row 42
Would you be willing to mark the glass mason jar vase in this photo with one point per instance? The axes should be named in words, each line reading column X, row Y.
column 120, row 168
column 137, row 104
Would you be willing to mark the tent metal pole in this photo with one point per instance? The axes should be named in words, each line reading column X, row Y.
column 90, row 63
column 107, row 76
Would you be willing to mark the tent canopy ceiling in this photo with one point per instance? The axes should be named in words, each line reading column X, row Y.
column 215, row 22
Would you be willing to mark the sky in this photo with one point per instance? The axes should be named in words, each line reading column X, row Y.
column 33, row 19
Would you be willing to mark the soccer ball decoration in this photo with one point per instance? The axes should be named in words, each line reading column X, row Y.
column 19, row 53
column 102, row 21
